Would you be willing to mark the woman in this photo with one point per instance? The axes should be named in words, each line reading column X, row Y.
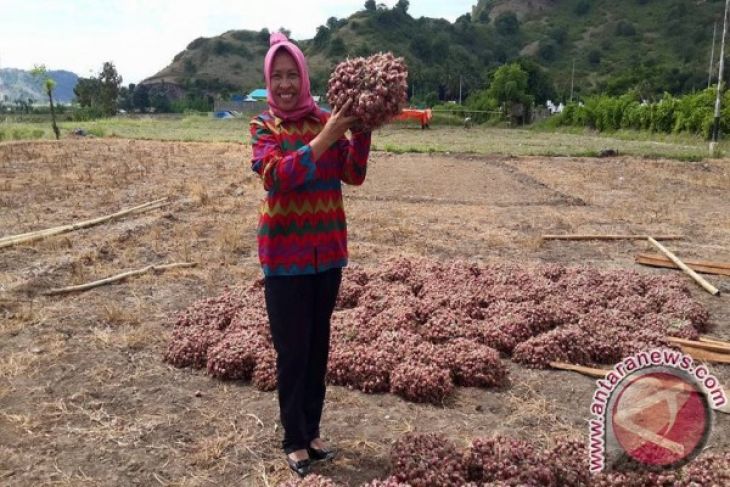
column 302, row 156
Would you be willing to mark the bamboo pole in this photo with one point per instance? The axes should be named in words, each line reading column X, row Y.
column 705, row 355
column 699, row 279
column 708, row 339
column 697, row 266
column 40, row 234
column 710, row 346
column 589, row 371
column 118, row 277
column 704, row 263
column 144, row 207
column 609, row 237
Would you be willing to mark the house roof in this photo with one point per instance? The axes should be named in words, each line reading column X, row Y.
column 259, row 93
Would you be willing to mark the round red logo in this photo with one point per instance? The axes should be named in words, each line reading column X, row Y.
column 661, row 417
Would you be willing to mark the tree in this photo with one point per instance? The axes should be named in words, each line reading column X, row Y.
column 507, row 24
column 332, row 23
column 140, row 98
column 263, row 36
column 559, row 34
column 87, row 91
column 160, row 102
column 109, row 83
column 337, row 47
column 548, row 50
column 125, row 97
column 370, row 6
column 48, row 83
column 285, row 31
column 510, row 85
column 322, row 37
column 594, row 57
column 402, row 6
column 626, row 29
column 539, row 83
column 582, row 7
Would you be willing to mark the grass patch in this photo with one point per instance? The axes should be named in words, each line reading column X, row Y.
column 397, row 149
column 401, row 138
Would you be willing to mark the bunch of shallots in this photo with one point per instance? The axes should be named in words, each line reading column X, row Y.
column 377, row 86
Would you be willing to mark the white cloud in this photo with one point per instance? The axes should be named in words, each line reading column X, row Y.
column 142, row 36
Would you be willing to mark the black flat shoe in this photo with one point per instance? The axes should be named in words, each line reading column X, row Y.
column 300, row 467
column 323, row 454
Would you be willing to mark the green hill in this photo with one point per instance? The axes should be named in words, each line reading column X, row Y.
column 616, row 45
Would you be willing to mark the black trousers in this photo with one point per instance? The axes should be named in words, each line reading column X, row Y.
column 299, row 309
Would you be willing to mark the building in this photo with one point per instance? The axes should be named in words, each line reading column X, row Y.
column 259, row 94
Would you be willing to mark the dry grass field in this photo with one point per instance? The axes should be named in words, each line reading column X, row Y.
column 85, row 398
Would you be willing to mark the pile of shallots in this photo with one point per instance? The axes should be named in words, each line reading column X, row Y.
column 418, row 328
column 426, row 460
column 377, row 86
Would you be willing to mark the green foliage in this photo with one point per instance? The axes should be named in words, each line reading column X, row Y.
column 222, row 48
column 23, row 133
column 96, row 131
column 559, row 34
column 85, row 114
column 109, row 81
column 582, row 7
column 539, row 83
column 594, row 56
column 402, row 6
column 510, row 85
column 623, row 45
column 548, row 50
column 191, row 104
column 625, row 29
column 197, row 43
column 337, row 48
column 322, row 37
column 263, row 36
column 189, row 67
column 507, row 24
column 691, row 113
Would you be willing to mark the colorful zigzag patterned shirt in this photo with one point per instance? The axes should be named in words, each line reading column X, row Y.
column 302, row 227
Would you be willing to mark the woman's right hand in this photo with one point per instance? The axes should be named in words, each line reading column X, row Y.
column 338, row 122
column 334, row 130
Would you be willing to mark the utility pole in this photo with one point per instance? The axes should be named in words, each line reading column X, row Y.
column 572, row 79
column 718, row 100
column 712, row 56
column 459, row 89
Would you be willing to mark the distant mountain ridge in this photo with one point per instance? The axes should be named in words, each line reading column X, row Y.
column 20, row 84
column 615, row 45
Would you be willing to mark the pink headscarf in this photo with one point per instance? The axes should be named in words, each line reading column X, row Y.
column 305, row 103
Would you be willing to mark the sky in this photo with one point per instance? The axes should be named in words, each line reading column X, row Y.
column 142, row 36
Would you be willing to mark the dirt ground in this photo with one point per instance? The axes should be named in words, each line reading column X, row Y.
column 85, row 398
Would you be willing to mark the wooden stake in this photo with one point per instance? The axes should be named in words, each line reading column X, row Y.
column 699, row 279
column 589, row 371
column 703, row 266
column 118, row 277
column 40, row 234
column 609, row 237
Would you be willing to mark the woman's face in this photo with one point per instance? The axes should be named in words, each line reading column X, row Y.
column 285, row 81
